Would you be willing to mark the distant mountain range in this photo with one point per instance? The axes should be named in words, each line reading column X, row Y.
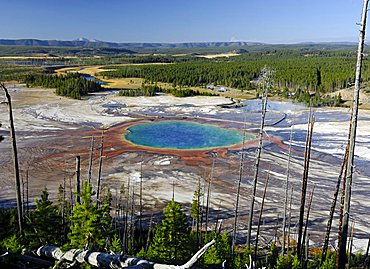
column 83, row 42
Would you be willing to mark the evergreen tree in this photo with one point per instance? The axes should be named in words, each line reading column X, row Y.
column 284, row 262
column 330, row 261
column 273, row 256
column 91, row 225
column 219, row 252
column 171, row 242
column 115, row 245
column 296, row 264
column 44, row 223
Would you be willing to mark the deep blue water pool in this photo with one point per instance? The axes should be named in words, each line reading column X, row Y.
column 88, row 77
column 183, row 135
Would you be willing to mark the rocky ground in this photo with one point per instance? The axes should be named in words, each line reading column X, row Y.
column 52, row 130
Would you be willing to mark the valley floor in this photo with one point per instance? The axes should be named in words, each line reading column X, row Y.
column 52, row 130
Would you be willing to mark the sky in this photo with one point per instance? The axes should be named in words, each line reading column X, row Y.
column 175, row 21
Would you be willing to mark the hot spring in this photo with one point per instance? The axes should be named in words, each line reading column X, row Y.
column 183, row 135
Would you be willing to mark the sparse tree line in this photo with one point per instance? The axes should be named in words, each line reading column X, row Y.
column 152, row 90
column 70, row 85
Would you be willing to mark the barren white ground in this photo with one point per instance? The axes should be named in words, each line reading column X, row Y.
column 40, row 109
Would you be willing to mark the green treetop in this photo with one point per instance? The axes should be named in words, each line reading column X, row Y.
column 91, row 225
column 171, row 242
column 44, row 223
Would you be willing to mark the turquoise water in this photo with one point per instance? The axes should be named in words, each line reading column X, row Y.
column 183, row 135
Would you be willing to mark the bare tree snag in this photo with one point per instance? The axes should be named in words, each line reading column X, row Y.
column 132, row 215
column 266, row 79
column 286, row 191
column 241, row 167
column 78, row 182
column 307, row 154
column 126, row 231
column 209, row 194
column 308, row 215
column 290, row 220
column 351, row 242
column 141, row 202
column 89, row 171
column 356, row 97
column 27, row 193
column 260, row 216
column 104, row 260
column 367, row 260
column 333, row 205
column 15, row 159
column 100, row 168
column 341, row 212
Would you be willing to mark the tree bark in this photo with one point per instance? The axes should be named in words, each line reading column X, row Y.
column 100, row 259
column 304, row 181
column 15, row 160
column 308, row 216
column 286, row 191
column 356, row 96
column 141, row 203
column 209, row 194
column 351, row 243
column 78, row 182
column 290, row 220
column 333, row 205
column 367, row 260
column 260, row 216
column 266, row 77
column 241, row 166
column 100, row 168
column 89, row 171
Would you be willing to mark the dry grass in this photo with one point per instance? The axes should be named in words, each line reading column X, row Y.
column 123, row 83
column 135, row 83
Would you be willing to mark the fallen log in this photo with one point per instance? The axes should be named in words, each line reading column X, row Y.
column 104, row 260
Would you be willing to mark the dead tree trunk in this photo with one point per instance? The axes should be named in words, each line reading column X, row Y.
column 23, row 182
column 351, row 154
column 290, row 220
column 15, row 160
column 241, row 167
column 89, row 171
column 27, row 196
column 149, row 232
column 286, row 190
column 351, row 243
column 260, row 216
column 100, row 168
column 333, row 205
column 341, row 211
column 132, row 215
column 209, row 194
column 126, row 232
column 308, row 215
column 367, row 260
column 78, row 182
column 141, row 203
column 103, row 260
column 304, row 181
column 266, row 80
column 198, row 214
column 71, row 194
